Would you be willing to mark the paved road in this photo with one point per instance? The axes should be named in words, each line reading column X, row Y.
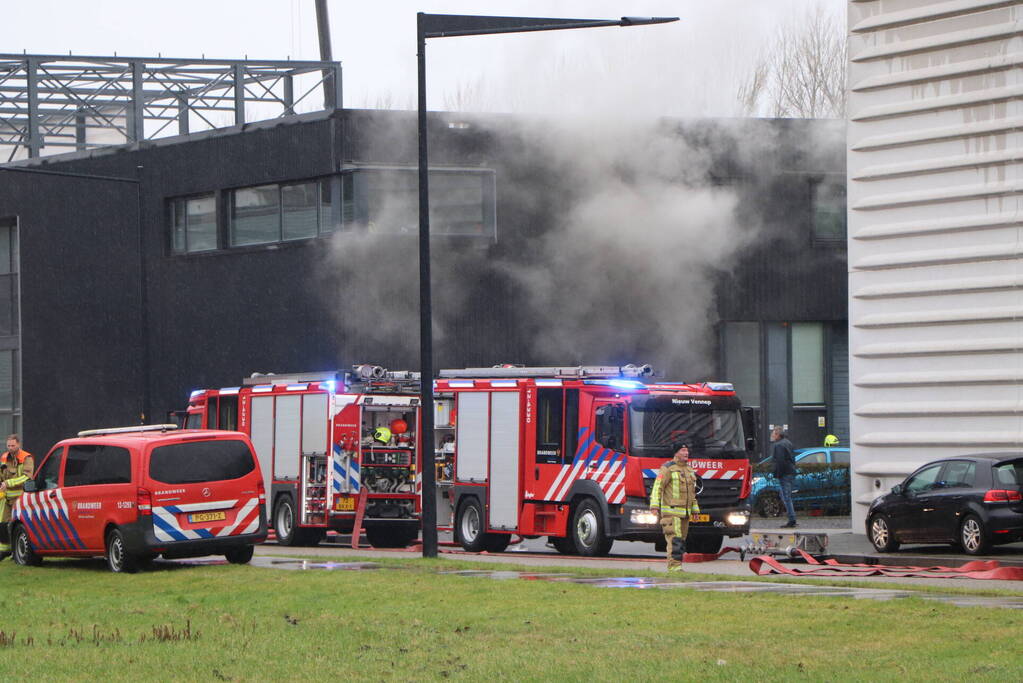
column 631, row 556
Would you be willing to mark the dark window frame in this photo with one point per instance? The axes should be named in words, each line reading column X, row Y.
column 172, row 208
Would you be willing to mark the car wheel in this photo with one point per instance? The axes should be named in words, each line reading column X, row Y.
column 973, row 536
column 770, row 505
column 881, row 535
column 119, row 560
column 469, row 530
column 587, row 531
column 23, row 552
column 242, row 555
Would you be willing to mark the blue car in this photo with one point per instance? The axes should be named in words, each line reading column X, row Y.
column 822, row 483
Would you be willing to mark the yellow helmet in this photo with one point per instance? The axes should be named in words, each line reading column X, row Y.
column 830, row 440
column 382, row 434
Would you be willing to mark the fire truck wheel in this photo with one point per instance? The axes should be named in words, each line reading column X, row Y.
column 881, row 535
column 23, row 552
column 383, row 537
column 118, row 558
column 587, row 532
column 563, row 545
column 496, row 543
column 284, row 522
column 241, row 555
column 469, row 526
column 704, row 544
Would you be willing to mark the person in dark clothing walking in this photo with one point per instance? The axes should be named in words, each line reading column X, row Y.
column 783, row 457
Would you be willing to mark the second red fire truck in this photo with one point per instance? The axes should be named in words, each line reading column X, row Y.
column 564, row 452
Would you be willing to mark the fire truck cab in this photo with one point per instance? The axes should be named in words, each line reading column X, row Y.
column 329, row 444
column 572, row 452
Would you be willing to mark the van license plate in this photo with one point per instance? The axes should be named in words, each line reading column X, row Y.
column 345, row 504
column 197, row 517
column 701, row 518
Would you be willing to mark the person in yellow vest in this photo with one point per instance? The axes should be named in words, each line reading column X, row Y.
column 16, row 467
column 674, row 499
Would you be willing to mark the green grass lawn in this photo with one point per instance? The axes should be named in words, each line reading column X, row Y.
column 75, row 620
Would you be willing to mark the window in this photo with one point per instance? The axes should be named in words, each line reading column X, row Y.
column 462, row 202
column 228, row 412
column 194, row 421
column 194, row 224
column 193, row 462
column 840, row 457
column 281, row 213
column 960, row 473
column 610, row 427
column 89, row 464
column 1009, row 473
column 48, row 475
column 548, row 426
column 923, row 480
column 815, row 458
column 827, row 197
column 807, row 363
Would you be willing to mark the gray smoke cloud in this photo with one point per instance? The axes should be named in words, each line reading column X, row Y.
column 610, row 257
column 628, row 273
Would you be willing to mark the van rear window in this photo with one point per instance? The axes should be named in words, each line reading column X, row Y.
column 194, row 462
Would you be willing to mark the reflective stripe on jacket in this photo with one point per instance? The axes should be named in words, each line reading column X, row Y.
column 14, row 474
column 674, row 491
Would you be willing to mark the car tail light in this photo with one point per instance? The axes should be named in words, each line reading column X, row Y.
column 261, row 491
column 1002, row 496
column 144, row 502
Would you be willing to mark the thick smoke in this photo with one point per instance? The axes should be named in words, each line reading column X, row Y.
column 610, row 245
column 628, row 272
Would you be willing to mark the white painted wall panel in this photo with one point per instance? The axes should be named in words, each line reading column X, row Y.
column 935, row 167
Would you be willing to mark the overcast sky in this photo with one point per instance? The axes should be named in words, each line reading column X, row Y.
column 689, row 68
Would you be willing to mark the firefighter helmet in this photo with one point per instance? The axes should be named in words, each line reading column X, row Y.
column 399, row 426
column 382, row 434
column 830, row 440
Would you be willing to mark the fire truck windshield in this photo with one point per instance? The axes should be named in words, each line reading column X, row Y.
column 656, row 421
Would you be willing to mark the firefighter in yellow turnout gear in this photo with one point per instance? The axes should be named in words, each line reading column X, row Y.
column 674, row 498
column 16, row 467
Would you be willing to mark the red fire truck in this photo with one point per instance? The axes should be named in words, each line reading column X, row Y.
column 572, row 452
column 325, row 440
column 565, row 452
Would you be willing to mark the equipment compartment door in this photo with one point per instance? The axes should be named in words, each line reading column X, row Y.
column 473, row 436
column 504, row 460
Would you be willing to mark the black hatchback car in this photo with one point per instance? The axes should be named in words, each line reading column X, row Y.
column 972, row 501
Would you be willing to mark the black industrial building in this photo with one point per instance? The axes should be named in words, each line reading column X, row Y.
column 135, row 274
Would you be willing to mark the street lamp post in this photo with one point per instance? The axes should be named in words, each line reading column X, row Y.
column 451, row 26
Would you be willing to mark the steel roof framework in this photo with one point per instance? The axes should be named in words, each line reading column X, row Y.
column 65, row 102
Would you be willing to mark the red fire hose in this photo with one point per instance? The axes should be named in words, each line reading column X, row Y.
column 977, row 569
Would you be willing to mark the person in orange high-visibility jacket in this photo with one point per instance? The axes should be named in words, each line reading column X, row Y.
column 674, row 499
column 16, row 467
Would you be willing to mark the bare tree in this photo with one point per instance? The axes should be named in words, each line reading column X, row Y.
column 802, row 72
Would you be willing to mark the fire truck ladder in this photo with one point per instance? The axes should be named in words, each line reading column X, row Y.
column 573, row 372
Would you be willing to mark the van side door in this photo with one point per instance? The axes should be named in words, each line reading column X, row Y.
column 96, row 478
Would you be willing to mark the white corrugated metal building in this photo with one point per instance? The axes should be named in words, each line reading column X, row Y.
column 935, row 234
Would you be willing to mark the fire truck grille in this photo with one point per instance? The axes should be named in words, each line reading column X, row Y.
column 716, row 492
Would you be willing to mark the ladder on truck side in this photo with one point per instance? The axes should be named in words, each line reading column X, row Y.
column 564, row 372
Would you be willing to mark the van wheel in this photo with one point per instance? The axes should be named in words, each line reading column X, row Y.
column 704, row 544
column 496, row 543
column 242, row 555
column 23, row 552
column 118, row 558
column 469, row 531
column 587, row 531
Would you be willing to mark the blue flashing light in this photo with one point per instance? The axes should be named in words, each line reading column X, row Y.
column 330, row 385
column 617, row 383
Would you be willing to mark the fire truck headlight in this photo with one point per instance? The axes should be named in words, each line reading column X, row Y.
column 646, row 517
column 737, row 518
